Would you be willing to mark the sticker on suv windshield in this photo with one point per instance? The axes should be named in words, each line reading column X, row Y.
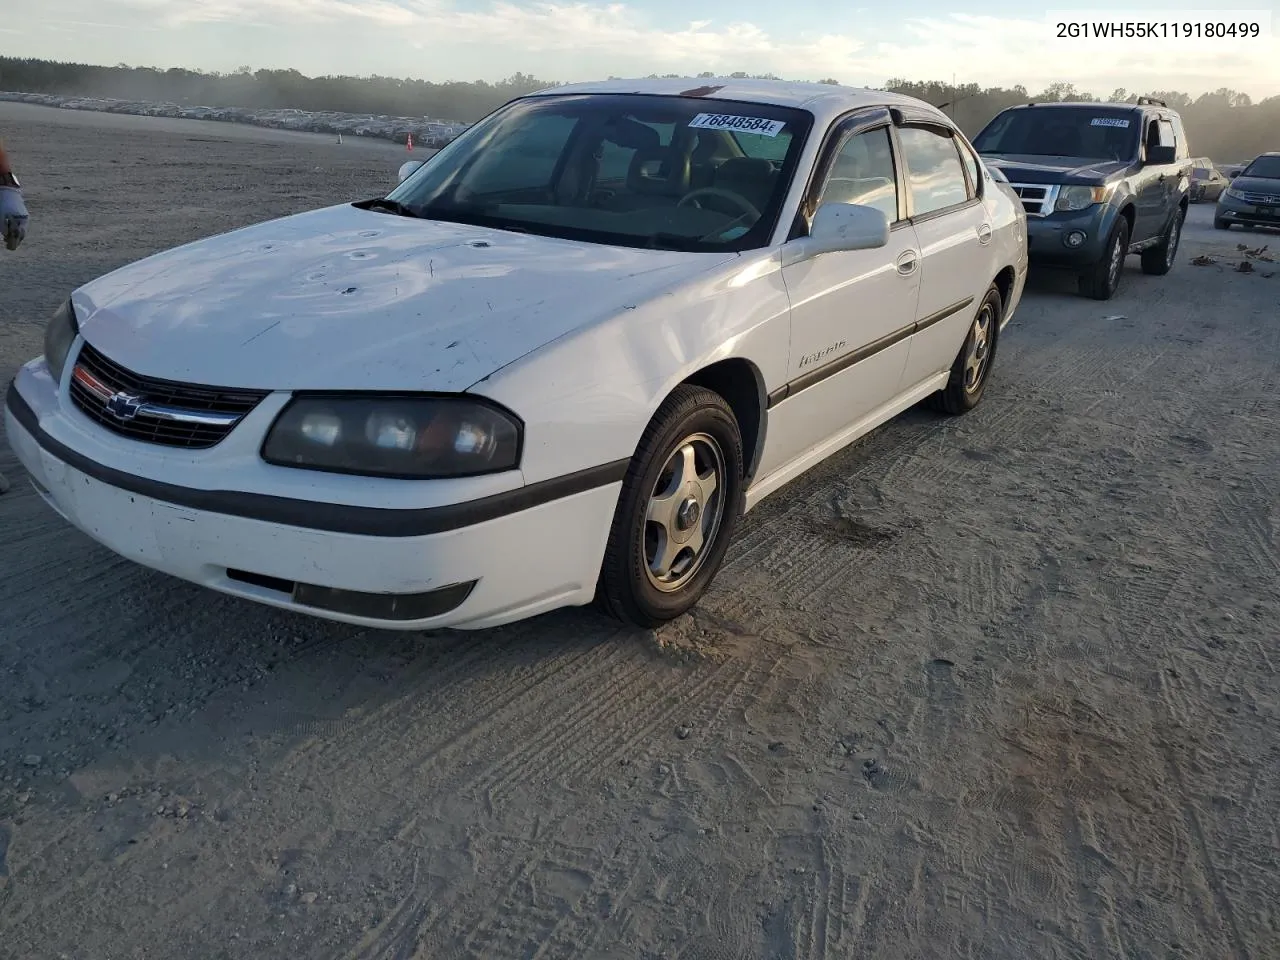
column 1109, row 122
column 723, row 121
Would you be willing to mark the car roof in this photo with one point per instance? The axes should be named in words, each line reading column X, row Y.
column 825, row 101
column 1086, row 103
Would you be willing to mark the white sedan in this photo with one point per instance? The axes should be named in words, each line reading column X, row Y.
column 555, row 364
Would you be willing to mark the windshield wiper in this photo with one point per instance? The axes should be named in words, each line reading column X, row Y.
column 391, row 206
column 671, row 241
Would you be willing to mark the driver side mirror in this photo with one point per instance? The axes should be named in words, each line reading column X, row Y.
column 408, row 169
column 840, row 226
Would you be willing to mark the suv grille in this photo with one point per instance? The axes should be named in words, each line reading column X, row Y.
column 1037, row 198
column 156, row 411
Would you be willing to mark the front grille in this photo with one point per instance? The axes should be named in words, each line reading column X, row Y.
column 153, row 410
column 1037, row 198
column 1262, row 199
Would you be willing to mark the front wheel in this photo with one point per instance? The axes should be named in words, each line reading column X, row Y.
column 1220, row 224
column 1102, row 279
column 679, row 505
column 1158, row 260
column 972, row 367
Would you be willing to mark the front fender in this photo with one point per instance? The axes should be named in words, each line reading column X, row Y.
column 586, row 399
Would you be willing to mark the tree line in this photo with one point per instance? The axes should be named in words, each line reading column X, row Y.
column 1223, row 124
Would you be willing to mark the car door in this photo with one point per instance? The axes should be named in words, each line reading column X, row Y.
column 851, row 311
column 954, row 233
column 1152, row 183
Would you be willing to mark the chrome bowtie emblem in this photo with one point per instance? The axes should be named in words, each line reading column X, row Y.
column 124, row 406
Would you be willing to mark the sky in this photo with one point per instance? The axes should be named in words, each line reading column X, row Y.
column 1002, row 45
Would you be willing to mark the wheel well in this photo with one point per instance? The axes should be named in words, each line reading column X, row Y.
column 740, row 384
column 1128, row 213
column 1004, row 284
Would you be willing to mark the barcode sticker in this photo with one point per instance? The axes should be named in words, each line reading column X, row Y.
column 738, row 124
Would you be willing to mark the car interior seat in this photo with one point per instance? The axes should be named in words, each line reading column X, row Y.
column 752, row 178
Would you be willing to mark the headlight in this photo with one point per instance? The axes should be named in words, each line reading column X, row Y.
column 1231, row 192
column 1080, row 198
column 406, row 437
column 58, row 337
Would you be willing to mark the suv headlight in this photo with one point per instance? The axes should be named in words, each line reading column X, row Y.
column 59, row 335
column 408, row 437
column 1080, row 198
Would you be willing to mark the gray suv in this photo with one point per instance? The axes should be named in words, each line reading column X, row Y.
column 1099, row 181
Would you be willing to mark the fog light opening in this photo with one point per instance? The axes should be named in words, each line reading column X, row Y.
column 1075, row 238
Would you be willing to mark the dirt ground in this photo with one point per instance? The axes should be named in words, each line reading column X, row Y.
column 996, row 687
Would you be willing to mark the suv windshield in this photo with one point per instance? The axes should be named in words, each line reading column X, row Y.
column 1092, row 133
column 1266, row 168
column 674, row 173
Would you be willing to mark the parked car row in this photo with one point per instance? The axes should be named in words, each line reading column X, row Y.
column 562, row 357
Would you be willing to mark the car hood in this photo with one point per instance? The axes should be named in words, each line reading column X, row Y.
column 1266, row 186
column 1025, row 168
column 344, row 298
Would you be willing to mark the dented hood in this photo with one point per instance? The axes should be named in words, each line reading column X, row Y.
column 348, row 299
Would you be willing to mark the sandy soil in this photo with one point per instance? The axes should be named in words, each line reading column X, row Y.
column 1001, row 687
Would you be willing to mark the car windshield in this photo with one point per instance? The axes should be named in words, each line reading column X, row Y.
column 1092, row 133
column 1265, row 168
column 675, row 173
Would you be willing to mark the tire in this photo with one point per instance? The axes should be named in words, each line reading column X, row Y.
column 1102, row 280
column 1220, row 224
column 1159, row 260
column 631, row 586
column 971, row 370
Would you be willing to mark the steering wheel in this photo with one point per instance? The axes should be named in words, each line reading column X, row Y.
column 741, row 202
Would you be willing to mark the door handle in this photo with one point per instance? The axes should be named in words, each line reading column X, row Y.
column 984, row 233
column 907, row 262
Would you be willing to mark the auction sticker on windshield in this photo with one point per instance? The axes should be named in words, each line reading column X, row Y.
column 724, row 121
column 1109, row 122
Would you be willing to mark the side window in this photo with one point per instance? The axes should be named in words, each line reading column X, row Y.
column 934, row 174
column 862, row 172
column 525, row 159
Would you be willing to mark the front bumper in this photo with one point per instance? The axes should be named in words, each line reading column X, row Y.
column 1238, row 211
column 469, row 565
column 1046, row 237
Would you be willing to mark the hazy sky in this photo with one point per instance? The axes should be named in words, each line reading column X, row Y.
column 564, row 40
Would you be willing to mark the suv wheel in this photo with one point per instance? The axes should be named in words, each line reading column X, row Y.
column 1102, row 280
column 1220, row 224
column 1158, row 260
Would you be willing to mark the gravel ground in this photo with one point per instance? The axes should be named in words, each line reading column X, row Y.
column 999, row 687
